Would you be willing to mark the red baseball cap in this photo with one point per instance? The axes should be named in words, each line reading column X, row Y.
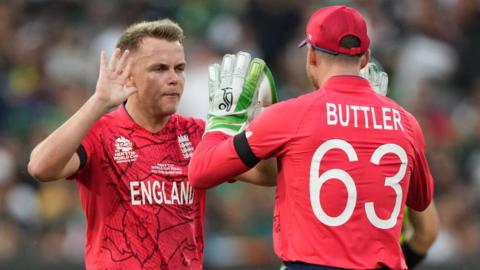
column 328, row 25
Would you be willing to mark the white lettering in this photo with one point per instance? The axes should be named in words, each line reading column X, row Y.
column 157, row 192
column 386, row 113
column 183, row 192
column 387, row 119
column 146, row 192
column 331, row 113
column 355, row 116
column 365, row 110
column 167, row 201
column 374, row 120
column 343, row 122
column 192, row 192
column 175, row 193
column 397, row 120
column 133, row 192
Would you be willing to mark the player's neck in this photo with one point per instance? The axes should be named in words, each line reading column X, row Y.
column 145, row 118
column 336, row 71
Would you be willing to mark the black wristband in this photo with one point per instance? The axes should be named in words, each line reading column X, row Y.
column 244, row 151
column 82, row 155
column 412, row 258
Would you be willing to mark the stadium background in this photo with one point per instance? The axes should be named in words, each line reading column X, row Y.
column 48, row 67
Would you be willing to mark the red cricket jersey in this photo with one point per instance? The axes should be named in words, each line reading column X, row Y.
column 141, row 211
column 348, row 161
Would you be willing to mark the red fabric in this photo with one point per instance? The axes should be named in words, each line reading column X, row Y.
column 204, row 170
column 328, row 25
column 378, row 140
column 141, row 211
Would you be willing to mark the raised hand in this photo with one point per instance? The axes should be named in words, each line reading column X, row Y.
column 113, row 86
column 235, row 87
column 374, row 73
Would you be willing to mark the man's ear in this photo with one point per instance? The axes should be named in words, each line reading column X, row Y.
column 130, row 81
column 312, row 57
column 365, row 58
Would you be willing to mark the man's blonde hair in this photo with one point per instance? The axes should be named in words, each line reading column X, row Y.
column 161, row 29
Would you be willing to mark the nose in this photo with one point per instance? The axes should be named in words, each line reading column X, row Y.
column 173, row 77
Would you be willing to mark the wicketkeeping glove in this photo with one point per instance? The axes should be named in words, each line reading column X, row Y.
column 237, row 88
column 374, row 73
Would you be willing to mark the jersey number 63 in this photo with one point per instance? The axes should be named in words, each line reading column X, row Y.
column 317, row 180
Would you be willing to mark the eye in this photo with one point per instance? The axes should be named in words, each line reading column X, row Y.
column 180, row 68
column 160, row 67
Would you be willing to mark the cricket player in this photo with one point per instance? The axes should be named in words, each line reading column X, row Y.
column 349, row 159
column 128, row 152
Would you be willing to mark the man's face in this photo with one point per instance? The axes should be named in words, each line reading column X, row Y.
column 158, row 72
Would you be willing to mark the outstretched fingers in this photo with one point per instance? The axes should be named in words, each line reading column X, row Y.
column 213, row 80
column 103, row 61
column 124, row 71
column 113, row 60
column 121, row 64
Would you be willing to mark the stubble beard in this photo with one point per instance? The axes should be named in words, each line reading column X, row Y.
column 168, row 108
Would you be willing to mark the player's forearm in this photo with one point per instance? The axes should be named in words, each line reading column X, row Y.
column 426, row 228
column 214, row 162
column 420, row 244
column 50, row 156
column 263, row 174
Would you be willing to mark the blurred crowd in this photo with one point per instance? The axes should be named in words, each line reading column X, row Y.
column 49, row 53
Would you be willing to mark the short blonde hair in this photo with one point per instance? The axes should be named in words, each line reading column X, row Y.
column 161, row 29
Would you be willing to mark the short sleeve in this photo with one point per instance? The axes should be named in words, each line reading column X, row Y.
column 87, row 147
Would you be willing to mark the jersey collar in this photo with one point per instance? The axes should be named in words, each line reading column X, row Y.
column 347, row 83
column 127, row 121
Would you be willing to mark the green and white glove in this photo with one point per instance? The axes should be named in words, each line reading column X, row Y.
column 267, row 95
column 378, row 78
column 237, row 88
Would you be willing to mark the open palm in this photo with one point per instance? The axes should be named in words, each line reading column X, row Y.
column 113, row 86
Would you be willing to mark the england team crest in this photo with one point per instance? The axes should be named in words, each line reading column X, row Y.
column 185, row 146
